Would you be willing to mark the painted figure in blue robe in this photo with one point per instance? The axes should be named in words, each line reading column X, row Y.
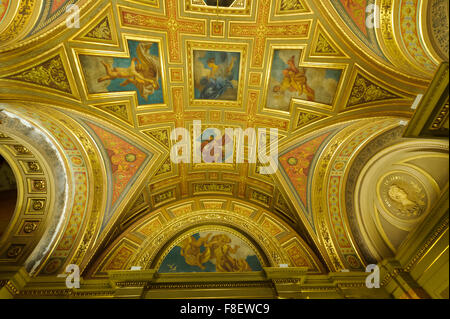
column 214, row 88
column 218, row 77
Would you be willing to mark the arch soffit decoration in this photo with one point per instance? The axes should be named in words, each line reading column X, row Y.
column 331, row 139
column 145, row 241
column 29, row 21
column 77, row 174
column 388, row 45
column 43, row 191
column 90, row 204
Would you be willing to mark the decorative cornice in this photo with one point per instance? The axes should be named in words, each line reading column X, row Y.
column 433, row 110
column 210, row 285
column 430, row 242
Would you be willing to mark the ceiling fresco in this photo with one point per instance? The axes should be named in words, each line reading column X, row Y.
column 110, row 92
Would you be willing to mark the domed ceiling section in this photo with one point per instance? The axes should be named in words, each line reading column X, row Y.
column 135, row 70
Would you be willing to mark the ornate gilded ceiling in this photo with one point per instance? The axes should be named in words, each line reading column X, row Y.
column 107, row 95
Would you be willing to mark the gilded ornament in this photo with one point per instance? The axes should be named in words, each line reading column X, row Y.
column 22, row 150
column 222, row 188
column 101, row 31
column 305, row 118
column 260, row 197
column 166, row 167
column 364, row 91
column 439, row 18
column 49, row 74
column 323, row 46
column 162, row 197
column 29, row 227
column 161, row 136
column 410, row 35
column 291, row 5
column 440, row 118
column 120, row 110
column 39, row 185
column 33, row 166
column 19, row 22
column 14, row 251
column 37, row 204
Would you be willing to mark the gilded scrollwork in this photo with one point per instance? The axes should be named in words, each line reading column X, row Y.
column 20, row 21
column 364, row 91
column 100, row 31
column 50, row 73
column 439, row 17
column 292, row 5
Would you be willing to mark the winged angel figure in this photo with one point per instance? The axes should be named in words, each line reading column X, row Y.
column 144, row 71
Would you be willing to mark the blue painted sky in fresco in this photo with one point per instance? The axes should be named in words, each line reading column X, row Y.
column 114, row 86
column 174, row 259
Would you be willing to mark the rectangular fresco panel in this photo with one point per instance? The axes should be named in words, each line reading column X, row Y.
column 216, row 75
column 211, row 251
column 141, row 73
column 288, row 80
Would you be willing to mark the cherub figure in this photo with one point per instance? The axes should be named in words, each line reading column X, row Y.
column 294, row 81
column 221, row 250
column 143, row 72
column 190, row 250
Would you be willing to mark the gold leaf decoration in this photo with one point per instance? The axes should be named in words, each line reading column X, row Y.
column 50, row 73
column 21, row 19
column 164, row 196
column 283, row 207
column 139, row 202
column 101, row 31
column 440, row 25
column 160, row 135
column 323, row 46
column 291, row 5
column 260, row 197
column 238, row 4
column 364, row 91
column 166, row 167
column 213, row 188
column 305, row 118
column 282, row 204
column 120, row 110
column 441, row 120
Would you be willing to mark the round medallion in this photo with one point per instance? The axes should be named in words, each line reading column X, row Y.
column 130, row 157
column 292, row 161
column 403, row 195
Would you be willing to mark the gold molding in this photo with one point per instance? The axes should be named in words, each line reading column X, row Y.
column 432, row 112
